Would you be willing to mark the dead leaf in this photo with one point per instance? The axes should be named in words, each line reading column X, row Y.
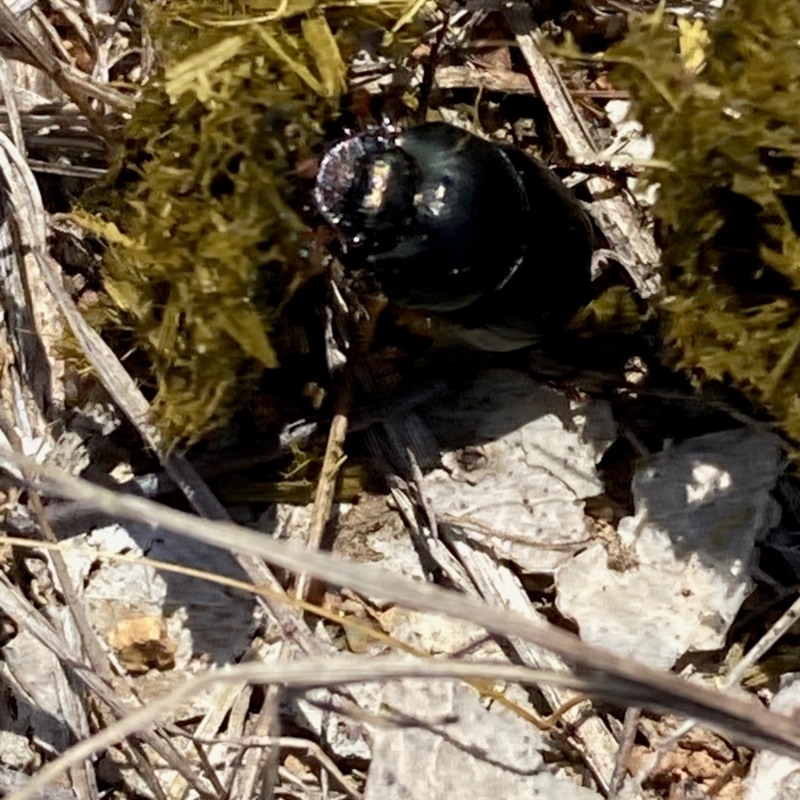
column 142, row 644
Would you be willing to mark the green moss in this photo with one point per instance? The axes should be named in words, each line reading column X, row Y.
column 614, row 311
column 729, row 201
column 204, row 246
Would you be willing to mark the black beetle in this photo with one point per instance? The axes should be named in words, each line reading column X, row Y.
column 450, row 223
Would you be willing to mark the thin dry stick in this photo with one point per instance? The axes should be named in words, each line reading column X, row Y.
column 310, row 673
column 619, row 221
column 53, row 36
column 212, row 721
column 488, row 79
column 233, row 583
column 56, row 70
column 549, row 85
column 10, row 101
column 246, row 764
column 89, row 641
column 74, row 20
column 67, row 170
column 256, row 765
column 767, row 641
column 269, row 721
column 287, row 743
column 84, row 781
column 334, row 451
column 629, row 730
column 614, row 678
column 399, row 438
column 326, row 487
column 147, row 771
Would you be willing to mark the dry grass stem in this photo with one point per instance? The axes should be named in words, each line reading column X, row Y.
column 616, row 679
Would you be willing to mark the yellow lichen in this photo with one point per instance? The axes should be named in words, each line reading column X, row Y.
column 728, row 206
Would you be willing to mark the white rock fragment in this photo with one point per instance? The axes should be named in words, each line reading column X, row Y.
column 434, row 634
column 699, row 509
column 461, row 750
column 16, row 751
column 522, row 487
column 39, row 691
column 630, row 146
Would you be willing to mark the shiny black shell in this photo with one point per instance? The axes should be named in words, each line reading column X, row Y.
column 450, row 223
